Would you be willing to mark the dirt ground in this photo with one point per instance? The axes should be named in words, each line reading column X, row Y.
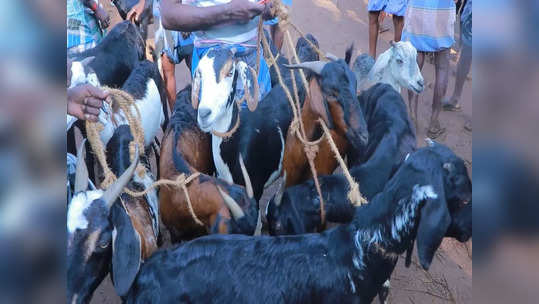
column 336, row 24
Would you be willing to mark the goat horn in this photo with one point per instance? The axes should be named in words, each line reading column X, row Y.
column 246, row 178
column 117, row 188
column 231, row 204
column 280, row 192
column 81, row 172
column 315, row 66
column 331, row 57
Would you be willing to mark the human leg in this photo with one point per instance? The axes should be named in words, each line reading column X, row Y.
column 374, row 26
column 463, row 68
column 441, row 65
column 398, row 24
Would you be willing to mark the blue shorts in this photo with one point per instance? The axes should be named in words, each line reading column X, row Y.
column 276, row 20
column 394, row 7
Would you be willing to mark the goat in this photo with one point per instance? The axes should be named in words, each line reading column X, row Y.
column 124, row 6
column 186, row 149
column 332, row 98
column 259, row 137
column 396, row 66
column 97, row 234
column 391, row 138
column 112, row 60
column 352, row 261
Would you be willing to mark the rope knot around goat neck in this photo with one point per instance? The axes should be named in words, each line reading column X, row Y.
column 181, row 181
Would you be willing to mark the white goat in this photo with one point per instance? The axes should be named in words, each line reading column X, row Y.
column 396, row 66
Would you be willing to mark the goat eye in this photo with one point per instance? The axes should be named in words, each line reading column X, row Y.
column 231, row 73
column 399, row 61
column 104, row 245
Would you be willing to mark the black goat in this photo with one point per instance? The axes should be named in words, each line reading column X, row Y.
column 112, row 60
column 352, row 261
column 391, row 138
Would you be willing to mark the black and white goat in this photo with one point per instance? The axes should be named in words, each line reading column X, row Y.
column 101, row 223
column 352, row 261
column 261, row 133
column 145, row 85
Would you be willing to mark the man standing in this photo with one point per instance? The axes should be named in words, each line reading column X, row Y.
column 219, row 24
column 395, row 7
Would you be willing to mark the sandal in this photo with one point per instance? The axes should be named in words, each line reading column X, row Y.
column 451, row 107
column 434, row 133
column 468, row 126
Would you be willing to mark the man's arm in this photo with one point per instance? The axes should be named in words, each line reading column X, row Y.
column 100, row 13
column 181, row 17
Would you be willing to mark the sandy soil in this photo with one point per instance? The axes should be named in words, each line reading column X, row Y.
column 337, row 24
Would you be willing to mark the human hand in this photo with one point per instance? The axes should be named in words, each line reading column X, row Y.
column 103, row 17
column 244, row 10
column 85, row 101
column 134, row 14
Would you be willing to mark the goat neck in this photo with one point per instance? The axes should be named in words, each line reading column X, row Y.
column 387, row 77
column 294, row 160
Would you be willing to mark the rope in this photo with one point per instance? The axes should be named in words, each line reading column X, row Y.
column 123, row 100
column 354, row 195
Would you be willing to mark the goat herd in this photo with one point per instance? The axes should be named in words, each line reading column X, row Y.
column 413, row 194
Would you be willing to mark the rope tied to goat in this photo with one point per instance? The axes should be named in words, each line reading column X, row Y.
column 296, row 127
column 124, row 101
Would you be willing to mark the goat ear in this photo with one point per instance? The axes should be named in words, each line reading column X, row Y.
column 126, row 250
column 318, row 102
column 381, row 63
column 250, row 84
column 434, row 222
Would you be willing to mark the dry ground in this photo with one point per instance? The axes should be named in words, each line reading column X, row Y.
column 337, row 24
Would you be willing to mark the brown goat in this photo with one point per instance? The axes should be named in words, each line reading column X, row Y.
column 186, row 149
column 339, row 109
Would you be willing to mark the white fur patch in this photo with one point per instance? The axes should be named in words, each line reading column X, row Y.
column 75, row 212
column 421, row 193
column 223, row 171
column 387, row 284
column 151, row 112
column 357, row 257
